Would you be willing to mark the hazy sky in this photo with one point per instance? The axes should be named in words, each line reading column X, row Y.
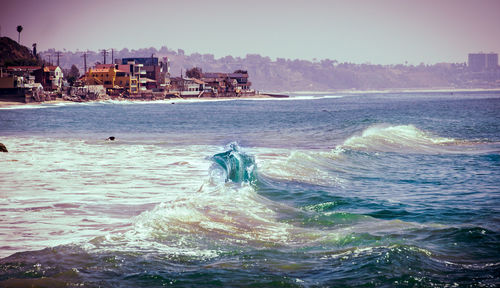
column 359, row 31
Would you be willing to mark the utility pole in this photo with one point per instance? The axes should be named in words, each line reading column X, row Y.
column 58, row 54
column 84, row 62
column 112, row 56
column 104, row 53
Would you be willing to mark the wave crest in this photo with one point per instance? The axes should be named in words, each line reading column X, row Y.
column 400, row 138
column 238, row 167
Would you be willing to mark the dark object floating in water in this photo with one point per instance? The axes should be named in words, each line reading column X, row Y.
column 3, row 148
column 111, row 138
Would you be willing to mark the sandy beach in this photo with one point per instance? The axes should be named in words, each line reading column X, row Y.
column 5, row 103
column 8, row 103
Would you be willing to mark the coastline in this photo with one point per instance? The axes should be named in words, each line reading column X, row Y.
column 9, row 103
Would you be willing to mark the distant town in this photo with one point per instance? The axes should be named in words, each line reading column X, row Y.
column 133, row 78
column 28, row 76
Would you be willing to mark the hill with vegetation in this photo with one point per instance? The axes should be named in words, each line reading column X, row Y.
column 13, row 54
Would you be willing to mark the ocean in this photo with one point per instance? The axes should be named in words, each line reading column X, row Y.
column 317, row 190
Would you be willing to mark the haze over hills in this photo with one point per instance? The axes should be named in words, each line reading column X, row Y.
column 283, row 74
column 302, row 75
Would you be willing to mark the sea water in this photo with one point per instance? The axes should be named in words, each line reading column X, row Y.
column 378, row 189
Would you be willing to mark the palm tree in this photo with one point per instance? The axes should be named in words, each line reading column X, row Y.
column 19, row 29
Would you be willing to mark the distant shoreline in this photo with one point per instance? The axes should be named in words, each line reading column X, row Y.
column 395, row 90
column 6, row 103
column 10, row 103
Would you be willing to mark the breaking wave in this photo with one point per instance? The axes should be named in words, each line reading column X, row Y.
column 235, row 215
column 233, row 207
column 225, row 209
column 354, row 154
column 400, row 138
column 238, row 167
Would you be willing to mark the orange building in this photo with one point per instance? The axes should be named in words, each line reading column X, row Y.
column 112, row 76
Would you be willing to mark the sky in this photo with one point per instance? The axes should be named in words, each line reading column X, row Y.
column 357, row 31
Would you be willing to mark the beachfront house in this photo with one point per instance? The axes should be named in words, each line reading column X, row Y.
column 50, row 77
column 155, row 72
column 53, row 77
column 113, row 77
column 187, row 87
column 228, row 84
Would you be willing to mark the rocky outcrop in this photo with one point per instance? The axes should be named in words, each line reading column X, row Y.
column 3, row 148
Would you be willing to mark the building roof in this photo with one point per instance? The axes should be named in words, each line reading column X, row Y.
column 23, row 68
column 50, row 68
column 124, row 68
column 146, row 61
column 104, row 66
column 214, row 75
column 238, row 75
column 99, row 70
column 198, row 81
column 220, row 81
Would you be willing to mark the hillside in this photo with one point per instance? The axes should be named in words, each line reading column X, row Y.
column 13, row 54
column 302, row 75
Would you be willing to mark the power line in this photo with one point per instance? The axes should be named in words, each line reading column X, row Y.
column 58, row 54
column 84, row 62
column 104, row 53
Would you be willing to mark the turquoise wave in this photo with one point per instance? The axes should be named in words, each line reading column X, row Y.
column 237, row 166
